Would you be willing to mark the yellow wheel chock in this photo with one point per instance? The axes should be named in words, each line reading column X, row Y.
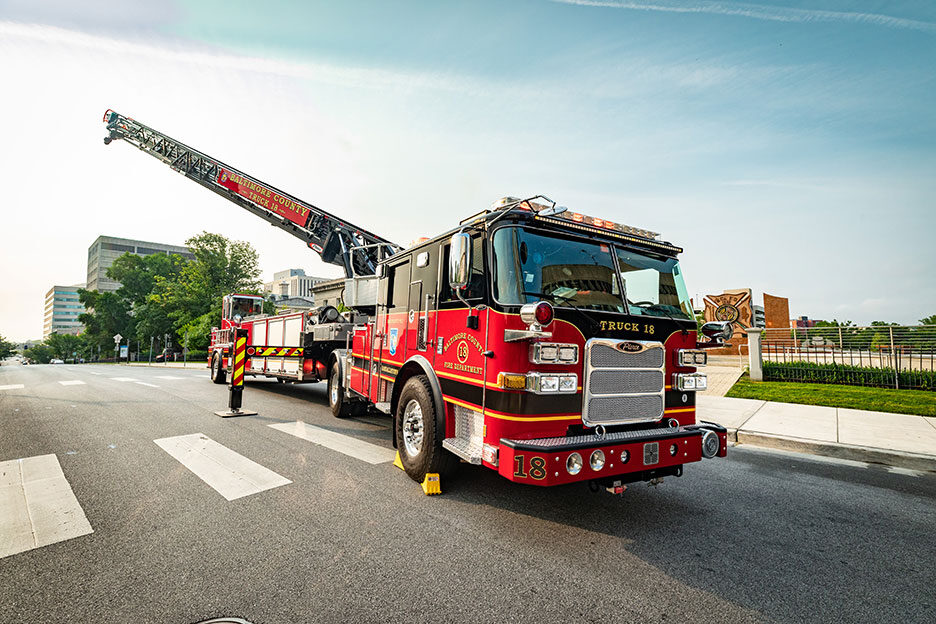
column 430, row 485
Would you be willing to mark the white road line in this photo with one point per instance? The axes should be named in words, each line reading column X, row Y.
column 143, row 383
column 93, row 373
column 905, row 471
column 168, row 377
column 73, row 382
column 365, row 451
column 231, row 474
column 122, row 379
column 37, row 505
column 11, row 387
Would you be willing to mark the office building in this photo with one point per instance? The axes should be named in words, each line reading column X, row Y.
column 292, row 284
column 61, row 311
column 106, row 249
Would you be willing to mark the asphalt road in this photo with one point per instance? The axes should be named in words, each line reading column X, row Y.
column 758, row 536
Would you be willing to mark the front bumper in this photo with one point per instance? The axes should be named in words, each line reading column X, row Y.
column 542, row 461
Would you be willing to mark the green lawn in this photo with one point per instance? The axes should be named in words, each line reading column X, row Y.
column 918, row 402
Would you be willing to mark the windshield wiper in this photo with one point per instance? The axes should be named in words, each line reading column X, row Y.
column 587, row 317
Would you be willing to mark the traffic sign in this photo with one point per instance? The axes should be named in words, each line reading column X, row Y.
column 117, row 338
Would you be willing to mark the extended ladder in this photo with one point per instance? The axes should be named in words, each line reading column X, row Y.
column 336, row 240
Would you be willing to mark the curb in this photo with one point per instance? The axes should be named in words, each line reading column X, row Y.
column 901, row 459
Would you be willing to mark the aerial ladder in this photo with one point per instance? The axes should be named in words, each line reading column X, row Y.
column 338, row 242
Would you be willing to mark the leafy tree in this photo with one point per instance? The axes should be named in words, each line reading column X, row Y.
column 63, row 345
column 834, row 323
column 929, row 320
column 107, row 314
column 6, row 348
column 39, row 353
column 193, row 301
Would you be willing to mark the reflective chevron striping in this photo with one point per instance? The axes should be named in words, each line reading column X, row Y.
column 266, row 351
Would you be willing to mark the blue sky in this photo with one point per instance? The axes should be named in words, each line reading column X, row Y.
column 788, row 147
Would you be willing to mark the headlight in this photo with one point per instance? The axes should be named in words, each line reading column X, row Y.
column 597, row 460
column 567, row 383
column 574, row 464
column 551, row 352
column 692, row 357
column 551, row 383
column 689, row 381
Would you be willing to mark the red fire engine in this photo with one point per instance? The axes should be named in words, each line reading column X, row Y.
column 542, row 343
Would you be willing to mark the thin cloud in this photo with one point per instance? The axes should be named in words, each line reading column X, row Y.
column 762, row 12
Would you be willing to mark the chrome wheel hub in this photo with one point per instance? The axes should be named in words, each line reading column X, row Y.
column 413, row 428
column 333, row 394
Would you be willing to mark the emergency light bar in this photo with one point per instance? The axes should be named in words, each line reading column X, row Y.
column 609, row 225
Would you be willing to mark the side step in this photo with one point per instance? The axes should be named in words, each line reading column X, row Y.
column 464, row 449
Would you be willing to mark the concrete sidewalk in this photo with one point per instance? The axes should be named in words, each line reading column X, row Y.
column 877, row 437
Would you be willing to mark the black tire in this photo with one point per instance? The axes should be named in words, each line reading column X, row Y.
column 340, row 406
column 426, row 456
column 218, row 374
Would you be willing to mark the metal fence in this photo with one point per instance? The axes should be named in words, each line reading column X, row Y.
column 887, row 356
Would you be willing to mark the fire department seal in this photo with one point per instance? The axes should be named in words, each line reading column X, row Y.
column 727, row 313
column 392, row 342
column 461, row 351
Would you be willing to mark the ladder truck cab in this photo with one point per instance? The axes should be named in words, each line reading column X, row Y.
column 545, row 344
column 550, row 346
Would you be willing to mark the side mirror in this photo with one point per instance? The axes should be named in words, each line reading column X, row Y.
column 459, row 260
column 718, row 330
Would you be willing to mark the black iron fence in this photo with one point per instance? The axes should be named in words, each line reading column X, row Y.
column 880, row 355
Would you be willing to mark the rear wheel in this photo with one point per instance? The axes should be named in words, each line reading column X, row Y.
column 218, row 374
column 420, row 431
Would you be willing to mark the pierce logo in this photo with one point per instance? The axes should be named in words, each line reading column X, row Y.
column 630, row 347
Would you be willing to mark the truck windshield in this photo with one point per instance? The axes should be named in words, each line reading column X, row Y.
column 529, row 265
column 653, row 286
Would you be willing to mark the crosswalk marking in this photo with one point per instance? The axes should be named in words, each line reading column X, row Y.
column 122, row 379
column 143, row 383
column 11, row 387
column 231, row 474
column 37, row 505
column 73, row 382
column 365, row 451
column 904, row 471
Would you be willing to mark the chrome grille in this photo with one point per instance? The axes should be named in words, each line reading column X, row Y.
column 624, row 381
column 605, row 356
column 624, row 408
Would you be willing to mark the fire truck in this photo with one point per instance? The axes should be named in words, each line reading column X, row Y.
column 545, row 344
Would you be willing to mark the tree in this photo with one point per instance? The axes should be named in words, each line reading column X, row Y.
column 63, row 345
column 929, row 320
column 6, row 348
column 39, row 353
column 193, row 301
column 107, row 314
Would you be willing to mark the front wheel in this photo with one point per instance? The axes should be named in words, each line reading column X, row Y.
column 420, row 431
column 218, row 374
